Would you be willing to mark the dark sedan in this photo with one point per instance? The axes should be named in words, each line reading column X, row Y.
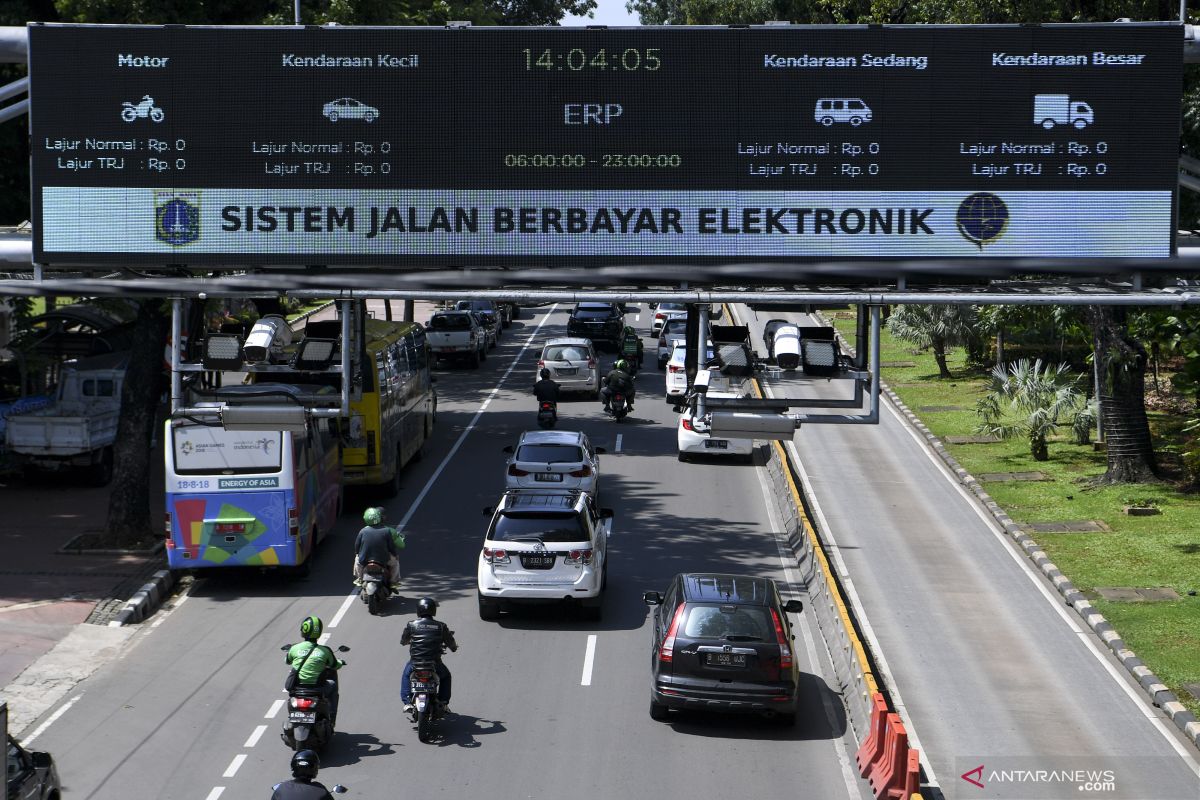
column 600, row 322
column 723, row 643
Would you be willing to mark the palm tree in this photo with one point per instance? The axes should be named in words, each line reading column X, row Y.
column 1039, row 398
column 935, row 328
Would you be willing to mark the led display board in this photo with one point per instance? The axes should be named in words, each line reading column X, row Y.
column 483, row 146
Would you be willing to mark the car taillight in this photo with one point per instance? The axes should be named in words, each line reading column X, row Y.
column 687, row 424
column 294, row 521
column 674, row 369
column 303, row 702
column 541, row 364
column 516, row 471
column 591, row 363
column 495, row 556
column 584, row 472
column 662, row 341
column 579, row 557
column 666, row 653
column 785, row 648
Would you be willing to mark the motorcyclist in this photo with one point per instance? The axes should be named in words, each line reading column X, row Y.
column 618, row 379
column 303, row 785
column 316, row 664
column 425, row 637
column 378, row 542
column 546, row 389
column 631, row 346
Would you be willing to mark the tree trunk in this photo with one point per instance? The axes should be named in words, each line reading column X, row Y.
column 1038, row 448
column 1000, row 348
column 129, row 520
column 939, row 354
column 1121, row 360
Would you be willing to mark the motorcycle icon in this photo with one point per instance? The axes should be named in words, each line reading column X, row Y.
column 145, row 108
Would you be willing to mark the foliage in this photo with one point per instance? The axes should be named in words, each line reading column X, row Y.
column 935, row 327
column 1038, row 398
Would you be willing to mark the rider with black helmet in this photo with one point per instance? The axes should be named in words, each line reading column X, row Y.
column 425, row 638
column 303, row 785
column 546, row 388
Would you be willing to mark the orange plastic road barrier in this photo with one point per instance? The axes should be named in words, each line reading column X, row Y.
column 888, row 770
column 873, row 744
column 912, row 776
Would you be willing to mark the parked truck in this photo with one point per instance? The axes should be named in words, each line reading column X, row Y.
column 457, row 335
column 76, row 431
column 1059, row 109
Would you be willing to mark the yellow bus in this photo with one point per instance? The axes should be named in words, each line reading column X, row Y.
column 392, row 416
column 392, row 407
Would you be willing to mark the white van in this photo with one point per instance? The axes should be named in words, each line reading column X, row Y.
column 842, row 109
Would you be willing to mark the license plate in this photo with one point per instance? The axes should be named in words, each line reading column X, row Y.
column 537, row 562
column 423, row 687
column 303, row 716
column 567, row 371
column 548, row 477
column 716, row 444
column 726, row 659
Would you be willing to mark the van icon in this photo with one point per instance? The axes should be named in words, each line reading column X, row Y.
column 842, row 109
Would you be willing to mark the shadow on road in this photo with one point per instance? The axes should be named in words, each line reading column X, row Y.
column 350, row 748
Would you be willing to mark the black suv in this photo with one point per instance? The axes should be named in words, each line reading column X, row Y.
column 723, row 643
column 600, row 322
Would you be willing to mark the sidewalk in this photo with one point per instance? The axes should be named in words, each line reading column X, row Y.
column 44, row 593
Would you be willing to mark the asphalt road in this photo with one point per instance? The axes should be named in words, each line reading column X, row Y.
column 191, row 710
column 993, row 669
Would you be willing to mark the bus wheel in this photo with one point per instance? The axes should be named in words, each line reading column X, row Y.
column 304, row 569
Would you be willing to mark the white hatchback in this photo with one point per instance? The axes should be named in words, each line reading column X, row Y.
column 544, row 547
column 573, row 365
column 693, row 437
column 553, row 460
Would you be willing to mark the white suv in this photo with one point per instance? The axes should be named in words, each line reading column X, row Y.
column 542, row 547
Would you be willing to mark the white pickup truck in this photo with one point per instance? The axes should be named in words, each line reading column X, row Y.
column 457, row 335
column 78, row 429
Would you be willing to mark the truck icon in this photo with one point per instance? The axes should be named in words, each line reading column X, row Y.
column 1059, row 109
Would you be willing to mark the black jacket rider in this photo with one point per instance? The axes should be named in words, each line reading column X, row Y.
column 546, row 389
column 425, row 636
column 301, row 789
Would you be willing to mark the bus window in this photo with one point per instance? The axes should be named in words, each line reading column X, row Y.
column 205, row 450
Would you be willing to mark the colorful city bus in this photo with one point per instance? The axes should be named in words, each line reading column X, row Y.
column 251, row 498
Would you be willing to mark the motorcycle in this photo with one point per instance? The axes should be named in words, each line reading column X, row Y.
column 427, row 709
column 309, row 720
column 620, row 405
column 146, row 108
column 375, row 589
column 547, row 413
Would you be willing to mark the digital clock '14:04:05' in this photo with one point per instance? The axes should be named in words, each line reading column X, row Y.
column 577, row 59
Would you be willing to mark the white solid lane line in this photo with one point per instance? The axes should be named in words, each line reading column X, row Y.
column 273, row 710
column 341, row 612
column 254, row 737
column 474, row 421
column 40, row 729
column 234, row 765
column 620, row 438
column 589, row 657
column 216, row 792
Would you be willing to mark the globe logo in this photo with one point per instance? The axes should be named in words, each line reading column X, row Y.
column 982, row 218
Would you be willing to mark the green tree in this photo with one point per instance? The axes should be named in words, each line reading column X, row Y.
column 1031, row 400
column 934, row 327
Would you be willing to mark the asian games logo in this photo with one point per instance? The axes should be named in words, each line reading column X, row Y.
column 177, row 217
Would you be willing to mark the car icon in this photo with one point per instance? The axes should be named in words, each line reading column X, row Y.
column 349, row 108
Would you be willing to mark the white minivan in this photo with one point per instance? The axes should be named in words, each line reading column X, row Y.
column 842, row 109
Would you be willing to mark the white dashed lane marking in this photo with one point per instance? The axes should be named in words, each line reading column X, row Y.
column 234, row 765
column 254, row 737
column 589, row 657
column 274, row 709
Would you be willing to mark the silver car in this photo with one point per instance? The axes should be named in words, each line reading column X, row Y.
column 573, row 365
column 553, row 460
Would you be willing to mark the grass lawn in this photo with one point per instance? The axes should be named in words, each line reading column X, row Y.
column 1139, row 552
column 307, row 307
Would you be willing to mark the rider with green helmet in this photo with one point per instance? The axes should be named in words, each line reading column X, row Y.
column 380, row 543
column 315, row 664
column 618, row 380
